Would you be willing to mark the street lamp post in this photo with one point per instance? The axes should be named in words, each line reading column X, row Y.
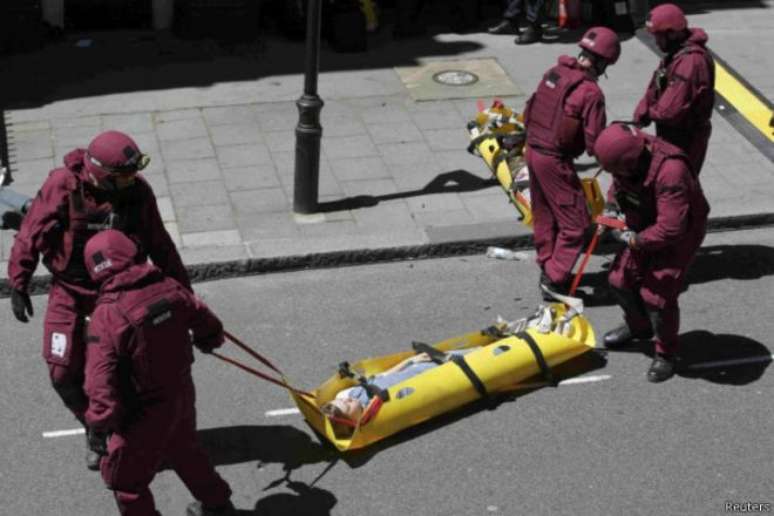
column 309, row 130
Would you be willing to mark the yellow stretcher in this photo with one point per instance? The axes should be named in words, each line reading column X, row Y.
column 498, row 136
column 504, row 355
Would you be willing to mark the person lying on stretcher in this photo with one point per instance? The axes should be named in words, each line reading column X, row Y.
column 350, row 403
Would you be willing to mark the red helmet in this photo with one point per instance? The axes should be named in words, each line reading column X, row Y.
column 603, row 42
column 666, row 17
column 113, row 152
column 107, row 253
column 618, row 147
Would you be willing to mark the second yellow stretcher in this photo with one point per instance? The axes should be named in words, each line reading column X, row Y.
column 498, row 136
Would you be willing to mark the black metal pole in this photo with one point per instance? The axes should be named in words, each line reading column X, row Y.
column 309, row 130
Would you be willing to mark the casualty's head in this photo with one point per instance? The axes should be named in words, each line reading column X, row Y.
column 600, row 47
column 669, row 27
column 621, row 150
column 112, row 160
column 343, row 407
column 107, row 253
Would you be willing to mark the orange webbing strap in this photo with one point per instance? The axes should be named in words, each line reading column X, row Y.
column 592, row 245
column 371, row 411
column 265, row 361
column 255, row 372
column 602, row 224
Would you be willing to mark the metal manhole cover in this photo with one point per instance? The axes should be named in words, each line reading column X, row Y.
column 455, row 78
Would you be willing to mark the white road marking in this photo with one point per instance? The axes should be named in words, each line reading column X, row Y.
column 64, row 433
column 732, row 362
column 586, row 379
column 283, row 412
column 569, row 381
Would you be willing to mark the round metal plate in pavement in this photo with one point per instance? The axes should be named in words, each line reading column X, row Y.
column 455, row 78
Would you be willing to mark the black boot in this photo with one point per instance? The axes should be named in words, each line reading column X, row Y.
column 197, row 509
column 96, row 448
column 622, row 335
column 504, row 27
column 531, row 34
column 662, row 368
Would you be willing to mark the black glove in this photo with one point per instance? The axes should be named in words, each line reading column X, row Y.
column 97, row 441
column 21, row 305
column 11, row 220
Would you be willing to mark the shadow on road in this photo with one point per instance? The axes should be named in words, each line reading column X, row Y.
column 713, row 263
column 448, row 182
column 722, row 358
column 266, row 444
column 304, row 500
column 742, row 262
column 284, row 445
column 718, row 358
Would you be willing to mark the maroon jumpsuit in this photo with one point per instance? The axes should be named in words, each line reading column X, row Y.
column 139, row 384
column 680, row 98
column 65, row 213
column 563, row 118
column 668, row 211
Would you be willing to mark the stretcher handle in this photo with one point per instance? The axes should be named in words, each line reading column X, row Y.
column 602, row 224
column 247, row 349
column 260, row 374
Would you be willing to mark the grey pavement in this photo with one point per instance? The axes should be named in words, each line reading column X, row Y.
column 393, row 172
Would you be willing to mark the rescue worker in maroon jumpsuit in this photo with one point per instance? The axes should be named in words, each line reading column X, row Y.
column 563, row 118
column 681, row 93
column 138, row 378
column 97, row 188
column 666, row 216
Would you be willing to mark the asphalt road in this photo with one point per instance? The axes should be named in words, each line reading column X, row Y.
column 618, row 445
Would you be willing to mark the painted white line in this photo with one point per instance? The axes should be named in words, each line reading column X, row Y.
column 283, row 412
column 64, row 433
column 586, row 379
column 733, row 362
column 569, row 381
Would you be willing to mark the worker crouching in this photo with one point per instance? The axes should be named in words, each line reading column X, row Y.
column 666, row 216
column 138, row 378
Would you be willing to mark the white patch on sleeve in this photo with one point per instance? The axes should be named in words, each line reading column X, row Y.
column 58, row 344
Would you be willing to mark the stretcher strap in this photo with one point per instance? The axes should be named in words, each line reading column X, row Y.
column 371, row 389
column 436, row 355
column 541, row 360
column 474, row 379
